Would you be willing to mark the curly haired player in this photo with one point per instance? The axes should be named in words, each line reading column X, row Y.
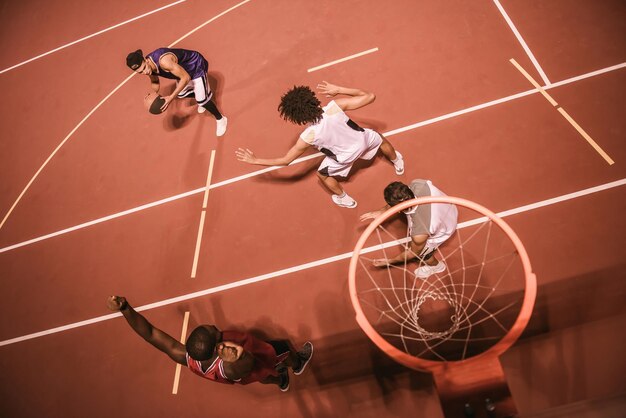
column 332, row 132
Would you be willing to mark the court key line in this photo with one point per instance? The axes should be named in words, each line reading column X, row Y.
column 91, row 36
column 100, row 104
column 183, row 334
column 360, row 54
column 562, row 111
column 196, row 254
column 302, row 159
column 521, row 40
column 305, row 266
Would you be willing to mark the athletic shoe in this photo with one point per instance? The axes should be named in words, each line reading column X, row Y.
column 284, row 381
column 345, row 201
column 221, row 126
column 399, row 164
column 424, row 272
column 304, row 355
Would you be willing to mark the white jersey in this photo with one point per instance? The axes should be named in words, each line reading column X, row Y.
column 438, row 220
column 337, row 136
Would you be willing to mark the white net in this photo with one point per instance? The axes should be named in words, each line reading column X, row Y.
column 453, row 314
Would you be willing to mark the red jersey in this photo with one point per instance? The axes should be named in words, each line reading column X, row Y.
column 265, row 360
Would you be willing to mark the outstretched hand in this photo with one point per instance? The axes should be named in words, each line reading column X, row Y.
column 115, row 303
column 381, row 262
column 245, row 155
column 328, row 89
column 370, row 215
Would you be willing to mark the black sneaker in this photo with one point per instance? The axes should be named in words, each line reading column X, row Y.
column 284, row 381
column 304, row 355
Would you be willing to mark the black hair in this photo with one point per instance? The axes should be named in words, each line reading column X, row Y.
column 300, row 106
column 134, row 59
column 397, row 192
column 201, row 343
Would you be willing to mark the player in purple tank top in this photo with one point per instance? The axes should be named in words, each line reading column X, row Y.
column 189, row 69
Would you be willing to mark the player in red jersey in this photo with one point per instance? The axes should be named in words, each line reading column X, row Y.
column 222, row 356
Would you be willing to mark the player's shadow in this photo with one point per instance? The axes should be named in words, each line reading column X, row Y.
column 181, row 112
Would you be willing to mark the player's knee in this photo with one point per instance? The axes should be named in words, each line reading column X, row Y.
column 323, row 173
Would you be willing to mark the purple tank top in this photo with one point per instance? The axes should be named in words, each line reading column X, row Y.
column 192, row 61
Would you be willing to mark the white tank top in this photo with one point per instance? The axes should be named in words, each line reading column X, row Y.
column 336, row 135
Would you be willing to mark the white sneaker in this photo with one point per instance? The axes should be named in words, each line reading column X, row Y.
column 424, row 272
column 221, row 126
column 399, row 164
column 201, row 109
column 345, row 201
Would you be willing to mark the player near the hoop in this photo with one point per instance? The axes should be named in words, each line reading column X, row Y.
column 332, row 132
column 189, row 69
column 222, row 356
column 430, row 225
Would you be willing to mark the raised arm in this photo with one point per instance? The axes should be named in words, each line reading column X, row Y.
column 165, row 343
column 297, row 150
column 358, row 98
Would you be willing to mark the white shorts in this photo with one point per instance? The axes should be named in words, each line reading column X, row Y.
column 201, row 89
column 365, row 151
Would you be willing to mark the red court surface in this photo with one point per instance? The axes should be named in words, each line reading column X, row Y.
column 116, row 208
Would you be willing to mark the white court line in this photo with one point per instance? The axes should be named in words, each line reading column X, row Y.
column 196, row 254
column 97, row 106
column 308, row 157
column 91, row 36
column 305, row 266
column 178, row 365
column 523, row 43
column 360, row 54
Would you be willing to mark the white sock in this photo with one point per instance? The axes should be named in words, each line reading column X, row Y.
column 397, row 158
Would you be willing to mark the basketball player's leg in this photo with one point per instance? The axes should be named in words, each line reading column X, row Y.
column 287, row 355
column 376, row 141
column 327, row 173
column 204, row 97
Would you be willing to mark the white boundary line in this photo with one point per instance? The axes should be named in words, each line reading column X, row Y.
column 359, row 54
column 523, row 43
column 91, row 36
column 99, row 104
column 308, row 157
column 305, row 266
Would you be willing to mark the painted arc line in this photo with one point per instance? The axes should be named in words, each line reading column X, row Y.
column 360, row 54
column 306, row 266
column 308, row 157
column 178, row 365
column 533, row 82
column 97, row 106
column 522, row 42
column 59, row 147
column 91, row 36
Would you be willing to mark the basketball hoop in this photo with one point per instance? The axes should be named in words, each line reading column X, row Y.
column 456, row 323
